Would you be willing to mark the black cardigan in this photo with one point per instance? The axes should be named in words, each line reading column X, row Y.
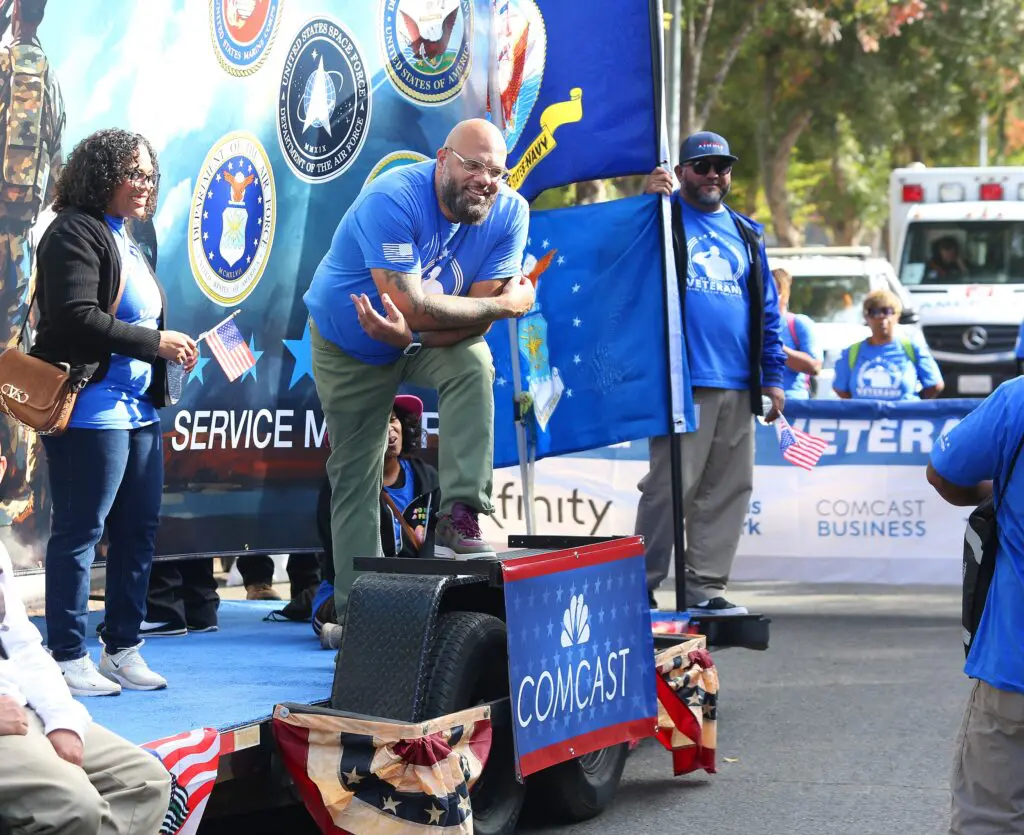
column 78, row 273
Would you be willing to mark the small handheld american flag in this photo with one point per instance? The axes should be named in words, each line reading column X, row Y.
column 230, row 349
column 798, row 447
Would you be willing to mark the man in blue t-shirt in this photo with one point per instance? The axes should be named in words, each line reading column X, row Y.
column 970, row 463
column 732, row 331
column 424, row 260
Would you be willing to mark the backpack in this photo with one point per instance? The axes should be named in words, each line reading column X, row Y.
column 906, row 344
column 981, row 539
column 791, row 323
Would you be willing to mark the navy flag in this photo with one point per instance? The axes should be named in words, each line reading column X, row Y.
column 564, row 74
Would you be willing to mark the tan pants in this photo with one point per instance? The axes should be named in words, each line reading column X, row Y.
column 718, row 479
column 120, row 788
column 988, row 772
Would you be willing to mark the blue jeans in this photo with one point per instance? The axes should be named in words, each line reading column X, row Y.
column 101, row 476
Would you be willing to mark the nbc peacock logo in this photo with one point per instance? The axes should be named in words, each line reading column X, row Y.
column 576, row 622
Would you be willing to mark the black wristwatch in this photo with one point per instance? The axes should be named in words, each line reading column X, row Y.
column 413, row 348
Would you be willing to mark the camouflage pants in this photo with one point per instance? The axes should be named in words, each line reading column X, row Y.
column 21, row 493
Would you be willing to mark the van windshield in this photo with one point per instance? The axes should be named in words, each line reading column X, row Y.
column 830, row 298
column 964, row 252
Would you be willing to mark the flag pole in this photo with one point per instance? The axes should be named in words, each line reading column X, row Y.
column 206, row 333
column 525, row 464
column 674, row 332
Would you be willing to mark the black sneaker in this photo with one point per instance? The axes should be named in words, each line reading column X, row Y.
column 651, row 600
column 198, row 630
column 151, row 630
column 717, row 606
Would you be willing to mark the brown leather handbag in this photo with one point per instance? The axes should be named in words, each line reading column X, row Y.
column 37, row 393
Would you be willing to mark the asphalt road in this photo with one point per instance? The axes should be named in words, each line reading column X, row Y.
column 844, row 727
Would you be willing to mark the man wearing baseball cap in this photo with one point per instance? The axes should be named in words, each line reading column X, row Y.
column 734, row 344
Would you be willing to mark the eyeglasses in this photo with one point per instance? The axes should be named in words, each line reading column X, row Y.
column 880, row 312
column 702, row 166
column 475, row 167
column 140, row 179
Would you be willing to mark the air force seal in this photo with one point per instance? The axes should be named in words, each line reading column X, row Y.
column 231, row 225
column 389, row 162
column 243, row 32
column 428, row 47
column 324, row 106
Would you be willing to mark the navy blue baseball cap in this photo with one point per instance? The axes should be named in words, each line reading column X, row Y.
column 704, row 144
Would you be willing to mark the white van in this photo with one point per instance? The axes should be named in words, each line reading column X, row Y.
column 829, row 285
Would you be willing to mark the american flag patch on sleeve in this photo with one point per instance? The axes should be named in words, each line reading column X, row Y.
column 397, row 252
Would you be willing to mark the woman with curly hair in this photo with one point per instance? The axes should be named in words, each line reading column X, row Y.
column 102, row 313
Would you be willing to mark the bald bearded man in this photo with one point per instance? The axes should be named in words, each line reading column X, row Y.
column 424, row 260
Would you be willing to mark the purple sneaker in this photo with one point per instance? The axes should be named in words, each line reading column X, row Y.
column 458, row 535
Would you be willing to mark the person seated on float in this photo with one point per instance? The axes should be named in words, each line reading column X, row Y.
column 888, row 365
column 410, row 498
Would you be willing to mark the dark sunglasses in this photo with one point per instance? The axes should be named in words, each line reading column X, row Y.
column 703, row 166
column 880, row 312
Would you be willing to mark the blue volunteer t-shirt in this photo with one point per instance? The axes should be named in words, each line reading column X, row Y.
column 977, row 449
column 717, row 302
column 798, row 386
column 887, row 372
column 402, row 497
column 396, row 224
column 119, row 400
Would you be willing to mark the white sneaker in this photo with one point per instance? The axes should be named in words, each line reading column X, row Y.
column 83, row 679
column 128, row 668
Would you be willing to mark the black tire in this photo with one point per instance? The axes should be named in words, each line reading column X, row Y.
column 579, row 789
column 468, row 666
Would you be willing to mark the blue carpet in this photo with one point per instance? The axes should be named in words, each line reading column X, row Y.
column 219, row 680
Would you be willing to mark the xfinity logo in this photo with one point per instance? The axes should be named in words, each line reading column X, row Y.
column 975, row 338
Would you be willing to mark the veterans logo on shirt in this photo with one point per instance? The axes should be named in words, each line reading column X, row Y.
column 880, row 379
column 714, row 266
column 231, row 224
column 427, row 47
column 243, row 32
column 324, row 105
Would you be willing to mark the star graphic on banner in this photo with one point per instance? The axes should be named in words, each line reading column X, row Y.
column 546, row 244
column 210, row 253
column 576, row 322
column 501, row 381
column 209, row 195
column 565, row 720
column 259, row 200
column 206, row 215
column 577, row 359
column 638, row 702
column 536, row 631
column 529, row 241
column 206, row 236
column 560, row 260
column 218, row 177
column 608, row 584
column 301, row 349
column 586, row 586
column 576, row 288
column 557, row 658
column 551, row 626
column 694, row 700
column 231, row 165
column 546, row 595
column 464, row 805
column 559, row 593
column 197, row 372
column 256, row 354
column 543, row 661
column 568, row 392
column 593, row 710
column 607, row 646
column 531, row 598
column 600, row 615
column 352, row 778
column 435, row 814
column 572, row 590
column 604, row 708
column 315, row 53
column 614, row 612
column 391, row 805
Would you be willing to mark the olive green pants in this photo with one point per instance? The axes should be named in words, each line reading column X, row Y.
column 357, row 398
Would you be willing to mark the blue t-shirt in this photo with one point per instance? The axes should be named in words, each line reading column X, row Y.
column 119, row 400
column 402, row 497
column 396, row 224
column 798, row 386
column 717, row 300
column 886, row 372
column 977, row 449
